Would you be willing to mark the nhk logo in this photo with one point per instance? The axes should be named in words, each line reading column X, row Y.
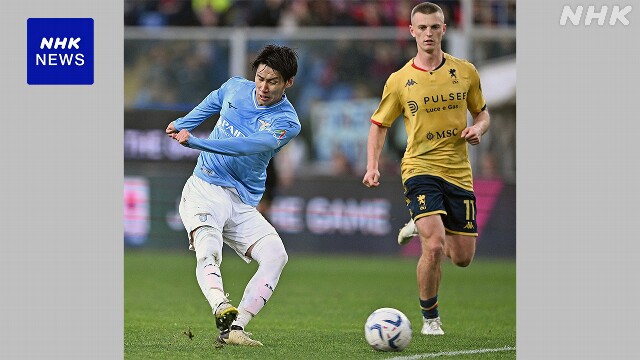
column 60, row 51
column 617, row 13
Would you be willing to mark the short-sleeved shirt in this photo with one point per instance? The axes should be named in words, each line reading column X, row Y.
column 434, row 105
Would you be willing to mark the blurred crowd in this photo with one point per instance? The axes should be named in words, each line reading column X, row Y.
column 177, row 74
column 293, row 13
column 270, row 12
column 158, row 73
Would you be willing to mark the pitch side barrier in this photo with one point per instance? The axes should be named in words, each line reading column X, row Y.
column 315, row 215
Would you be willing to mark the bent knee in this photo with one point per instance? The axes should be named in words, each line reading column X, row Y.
column 432, row 250
column 270, row 250
column 461, row 249
column 277, row 255
column 208, row 244
column 462, row 261
column 281, row 258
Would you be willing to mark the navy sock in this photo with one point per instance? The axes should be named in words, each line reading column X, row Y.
column 430, row 307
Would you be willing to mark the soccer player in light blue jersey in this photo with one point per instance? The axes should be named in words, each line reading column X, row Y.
column 218, row 203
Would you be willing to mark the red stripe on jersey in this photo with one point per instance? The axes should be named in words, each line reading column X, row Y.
column 377, row 123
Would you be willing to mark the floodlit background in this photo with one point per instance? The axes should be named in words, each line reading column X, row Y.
column 177, row 51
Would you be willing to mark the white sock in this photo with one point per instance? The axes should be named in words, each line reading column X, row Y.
column 243, row 318
column 271, row 257
column 208, row 245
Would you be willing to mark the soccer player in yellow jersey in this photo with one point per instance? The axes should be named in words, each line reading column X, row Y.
column 433, row 92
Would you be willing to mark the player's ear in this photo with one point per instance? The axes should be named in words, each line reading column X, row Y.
column 289, row 83
column 444, row 28
column 411, row 31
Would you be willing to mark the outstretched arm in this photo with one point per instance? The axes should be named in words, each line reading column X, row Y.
column 375, row 142
column 259, row 142
column 254, row 144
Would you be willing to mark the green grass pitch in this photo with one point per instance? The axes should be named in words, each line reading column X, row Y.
column 318, row 309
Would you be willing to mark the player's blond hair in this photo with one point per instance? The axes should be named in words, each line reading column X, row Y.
column 427, row 8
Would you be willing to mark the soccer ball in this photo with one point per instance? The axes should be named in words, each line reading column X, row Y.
column 387, row 329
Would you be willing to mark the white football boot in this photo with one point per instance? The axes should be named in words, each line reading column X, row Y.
column 432, row 327
column 408, row 232
column 237, row 337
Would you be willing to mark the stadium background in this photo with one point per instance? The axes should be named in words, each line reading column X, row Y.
column 177, row 51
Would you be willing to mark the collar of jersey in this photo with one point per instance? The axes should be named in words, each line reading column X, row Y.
column 255, row 102
column 444, row 58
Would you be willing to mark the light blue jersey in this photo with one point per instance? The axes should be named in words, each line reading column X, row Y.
column 245, row 138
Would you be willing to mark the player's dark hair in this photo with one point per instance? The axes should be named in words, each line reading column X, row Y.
column 426, row 8
column 280, row 58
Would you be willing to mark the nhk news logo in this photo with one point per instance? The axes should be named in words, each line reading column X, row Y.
column 60, row 51
column 575, row 16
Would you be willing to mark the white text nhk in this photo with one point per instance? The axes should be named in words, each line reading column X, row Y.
column 617, row 13
column 54, row 59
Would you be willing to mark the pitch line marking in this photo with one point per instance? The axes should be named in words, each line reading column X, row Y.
column 453, row 353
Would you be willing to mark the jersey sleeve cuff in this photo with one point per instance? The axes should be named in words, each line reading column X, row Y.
column 176, row 124
column 193, row 141
column 377, row 123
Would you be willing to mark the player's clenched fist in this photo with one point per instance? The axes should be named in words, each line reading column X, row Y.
column 371, row 178
column 182, row 137
column 472, row 134
column 171, row 129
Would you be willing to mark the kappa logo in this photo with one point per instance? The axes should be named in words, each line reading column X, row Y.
column 410, row 82
column 60, row 51
column 469, row 225
column 231, row 106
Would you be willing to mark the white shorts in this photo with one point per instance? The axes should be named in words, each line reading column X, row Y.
column 220, row 207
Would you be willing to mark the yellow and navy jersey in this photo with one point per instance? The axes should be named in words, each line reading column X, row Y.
column 434, row 105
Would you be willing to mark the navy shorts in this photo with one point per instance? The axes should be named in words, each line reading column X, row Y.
column 429, row 195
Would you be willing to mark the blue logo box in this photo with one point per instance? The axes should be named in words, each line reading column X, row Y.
column 60, row 51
